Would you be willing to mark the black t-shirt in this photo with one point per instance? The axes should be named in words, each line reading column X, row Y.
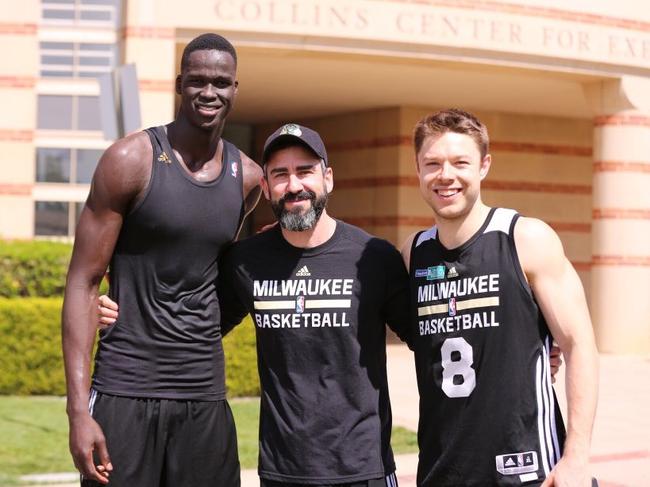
column 488, row 414
column 320, row 316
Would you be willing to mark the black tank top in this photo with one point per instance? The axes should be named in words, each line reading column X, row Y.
column 488, row 414
column 167, row 340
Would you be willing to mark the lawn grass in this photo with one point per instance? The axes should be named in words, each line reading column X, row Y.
column 403, row 441
column 34, row 432
column 247, row 418
column 34, row 436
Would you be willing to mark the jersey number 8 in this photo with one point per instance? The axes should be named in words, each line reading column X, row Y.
column 458, row 376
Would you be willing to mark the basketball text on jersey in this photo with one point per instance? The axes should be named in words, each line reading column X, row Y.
column 311, row 303
column 442, row 312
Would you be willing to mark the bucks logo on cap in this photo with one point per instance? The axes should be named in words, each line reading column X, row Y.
column 291, row 129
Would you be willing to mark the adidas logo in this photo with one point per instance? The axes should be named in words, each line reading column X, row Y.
column 303, row 272
column 452, row 272
column 163, row 157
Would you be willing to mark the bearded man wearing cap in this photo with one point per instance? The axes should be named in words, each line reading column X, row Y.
column 320, row 292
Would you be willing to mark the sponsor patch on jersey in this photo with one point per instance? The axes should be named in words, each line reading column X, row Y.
column 234, row 167
column 431, row 273
column 517, row 463
column 300, row 304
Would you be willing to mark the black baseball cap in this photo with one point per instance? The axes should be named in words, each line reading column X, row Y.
column 304, row 135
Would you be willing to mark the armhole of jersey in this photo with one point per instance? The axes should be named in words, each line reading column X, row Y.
column 413, row 245
column 232, row 150
column 152, row 139
column 515, row 257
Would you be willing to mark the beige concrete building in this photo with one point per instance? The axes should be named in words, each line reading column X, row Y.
column 564, row 88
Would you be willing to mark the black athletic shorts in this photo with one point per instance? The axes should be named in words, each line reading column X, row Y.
column 388, row 481
column 167, row 443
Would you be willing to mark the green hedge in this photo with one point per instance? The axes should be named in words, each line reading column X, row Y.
column 33, row 269
column 30, row 350
column 241, row 361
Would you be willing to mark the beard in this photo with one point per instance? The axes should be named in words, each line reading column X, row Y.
column 296, row 220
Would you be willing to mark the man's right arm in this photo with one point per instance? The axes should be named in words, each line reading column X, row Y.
column 120, row 177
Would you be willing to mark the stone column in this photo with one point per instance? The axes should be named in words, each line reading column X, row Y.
column 620, row 277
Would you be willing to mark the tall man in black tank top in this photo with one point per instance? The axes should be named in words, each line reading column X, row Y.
column 162, row 204
column 490, row 291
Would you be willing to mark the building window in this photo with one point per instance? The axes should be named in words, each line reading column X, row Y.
column 54, row 165
column 54, row 112
column 88, row 116
column 64, row 112
column 63, row 14
column 82, row 12
column 56, row 218
column 51, row 218
column 86, row 164
column 77, row 59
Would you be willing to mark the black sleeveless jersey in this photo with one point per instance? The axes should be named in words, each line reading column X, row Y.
column 488, row 413
column 320, row 317
column 166, row 342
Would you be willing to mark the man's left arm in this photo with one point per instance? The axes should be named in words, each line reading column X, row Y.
column 559, row 293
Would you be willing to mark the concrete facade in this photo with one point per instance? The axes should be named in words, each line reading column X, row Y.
column 564, row 91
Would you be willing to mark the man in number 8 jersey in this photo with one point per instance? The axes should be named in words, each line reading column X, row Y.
column 490, row 291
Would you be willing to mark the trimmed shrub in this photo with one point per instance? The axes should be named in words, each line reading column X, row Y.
column 31, row 269
column 241, row 360
column 30, row 349
column 31, row 358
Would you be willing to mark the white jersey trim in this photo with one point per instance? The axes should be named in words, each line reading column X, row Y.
column 501, row 220
column 91, row 401
column 429, row 234
column 391, row 480
column 546, row 426
column 549, row 387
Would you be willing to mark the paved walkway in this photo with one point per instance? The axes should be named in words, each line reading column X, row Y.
column 621, row 441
